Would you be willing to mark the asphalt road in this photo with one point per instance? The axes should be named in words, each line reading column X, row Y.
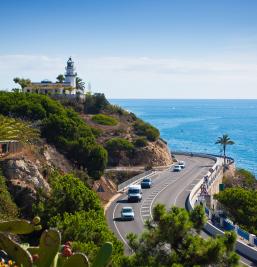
column 170, row 188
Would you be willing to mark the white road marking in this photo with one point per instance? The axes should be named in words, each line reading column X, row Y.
column 113, row 214
column 184, row 190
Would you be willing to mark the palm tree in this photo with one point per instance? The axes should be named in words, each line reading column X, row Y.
column 60, row 78
column 14, row 129
column 224, row 140
column 80, row 85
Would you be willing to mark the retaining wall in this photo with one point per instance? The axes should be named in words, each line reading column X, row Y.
column 243, row 248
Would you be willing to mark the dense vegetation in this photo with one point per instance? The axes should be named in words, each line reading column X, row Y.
column 170, row 240
column 145, row 129
column 76, row 211
column 241, row 178
column 117, row 147
column 60, row 126
column 8, row 209
column 104, row 119
column 140, row 142
column 245, row 201
column 95, row 103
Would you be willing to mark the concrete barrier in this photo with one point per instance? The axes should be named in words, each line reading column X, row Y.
column 243, row 248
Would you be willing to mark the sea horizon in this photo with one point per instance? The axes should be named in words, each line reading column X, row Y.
column 195, row 124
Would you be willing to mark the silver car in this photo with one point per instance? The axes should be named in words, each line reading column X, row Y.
column 127, row 214
column 177, row 168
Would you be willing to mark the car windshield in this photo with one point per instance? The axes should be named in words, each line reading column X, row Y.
column 126, row 210
column 146, row 180
column 133, row 191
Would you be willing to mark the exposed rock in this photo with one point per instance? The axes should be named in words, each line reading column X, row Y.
column 27, row 172
column 56, row 159
column 24, row 180
column 155, row 154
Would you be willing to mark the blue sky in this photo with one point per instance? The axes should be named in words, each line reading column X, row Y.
column 135, row 48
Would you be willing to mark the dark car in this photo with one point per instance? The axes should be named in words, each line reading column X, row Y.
column 146, row 183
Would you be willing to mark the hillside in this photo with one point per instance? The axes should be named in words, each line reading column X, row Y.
column 128, row 140
column 64, row 148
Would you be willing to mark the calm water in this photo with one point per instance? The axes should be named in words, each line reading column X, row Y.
column 194, row 125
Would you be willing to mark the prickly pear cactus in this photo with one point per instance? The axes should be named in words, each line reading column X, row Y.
column 21, row 256
column 50, row 253
column 77, row 259
column 20, row 227
column 104, row 255
column 49, row 246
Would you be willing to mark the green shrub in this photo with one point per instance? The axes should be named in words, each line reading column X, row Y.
column 118, row 144
column 140, row 142
column 95, row 103
column 145, row 129
column 241, row 206
column 61, row 126
column 88, row 229
column 115, row 109
column 247, row 179
column 76, row 211
column 104, row 119
column 69, row 194
column 8, row 209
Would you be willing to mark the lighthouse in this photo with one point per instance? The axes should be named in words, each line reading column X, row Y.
column 70, row 75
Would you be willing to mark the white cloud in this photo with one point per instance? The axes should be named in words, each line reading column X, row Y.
column 143, row 76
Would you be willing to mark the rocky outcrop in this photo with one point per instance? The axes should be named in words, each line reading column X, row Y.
column 24, row 180
column 26, row 172
column 56, row 160
column 154, row 154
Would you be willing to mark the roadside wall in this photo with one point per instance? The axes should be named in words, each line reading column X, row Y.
column 214, row 179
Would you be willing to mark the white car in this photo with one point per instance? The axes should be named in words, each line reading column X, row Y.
column 127, row 214
column 177, row 168
column 135, row 193
column 182, row 164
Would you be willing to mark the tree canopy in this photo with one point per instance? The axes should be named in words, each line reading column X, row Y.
column 245, row 201
column 76, row 211
column 61, row 126
column 95, row 103
column 146, row 129
column 60, row 78
column 22, row 82
column 170, row 239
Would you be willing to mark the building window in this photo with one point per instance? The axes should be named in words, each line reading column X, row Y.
column 28, row 91
column 45, row 91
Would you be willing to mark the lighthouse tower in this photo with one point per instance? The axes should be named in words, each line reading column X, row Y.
column 70, row 75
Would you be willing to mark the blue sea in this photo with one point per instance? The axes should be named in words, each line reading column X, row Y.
column 195, row 125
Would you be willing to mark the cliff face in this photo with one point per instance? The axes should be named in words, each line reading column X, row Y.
column 27, row 173
column 155, row 154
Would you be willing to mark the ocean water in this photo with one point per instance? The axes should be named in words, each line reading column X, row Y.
column 195, row 125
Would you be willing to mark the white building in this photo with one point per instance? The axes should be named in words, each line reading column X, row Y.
column 68, row 87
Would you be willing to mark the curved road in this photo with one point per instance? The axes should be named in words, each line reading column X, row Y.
column 170, row 188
